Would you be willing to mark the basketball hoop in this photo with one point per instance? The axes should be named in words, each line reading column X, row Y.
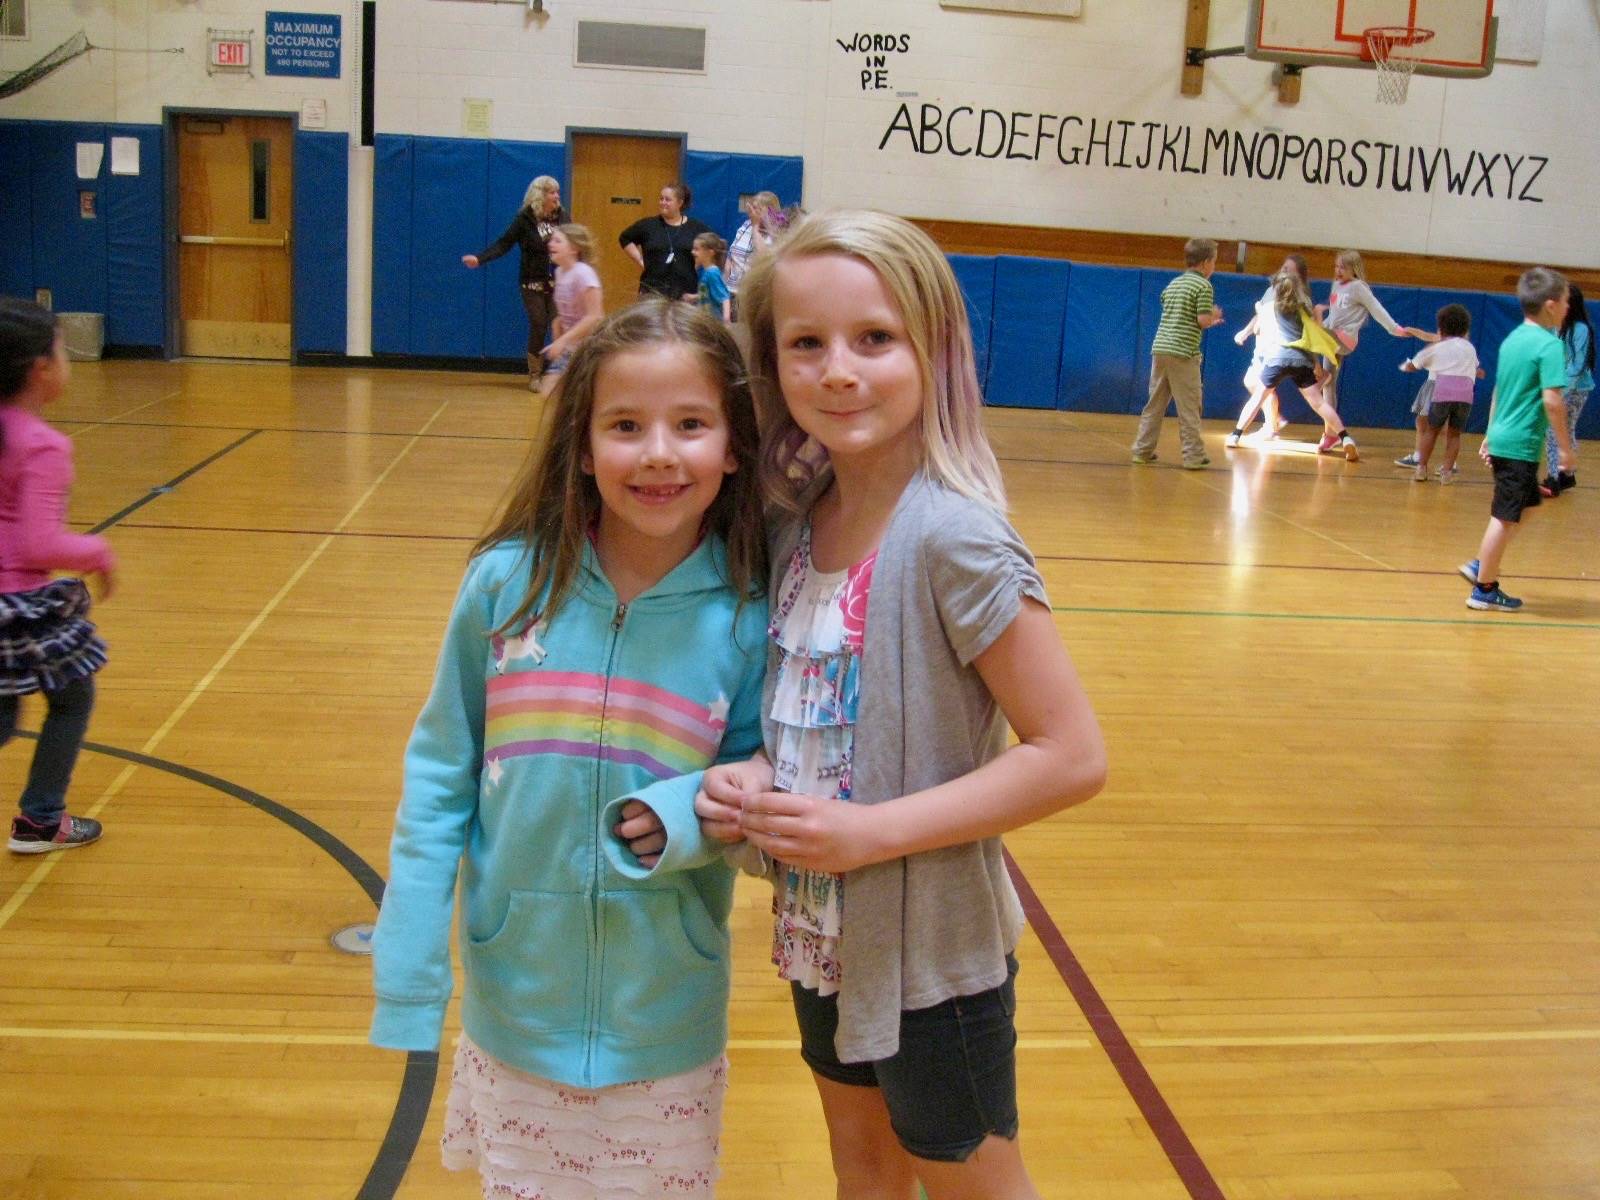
column 1390, row 49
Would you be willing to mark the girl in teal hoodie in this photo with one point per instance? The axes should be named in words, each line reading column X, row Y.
column 606, row 646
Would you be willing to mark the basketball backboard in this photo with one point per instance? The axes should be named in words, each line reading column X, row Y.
column 1320, row 33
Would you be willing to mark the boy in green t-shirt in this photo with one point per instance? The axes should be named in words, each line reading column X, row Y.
column 1527, row 401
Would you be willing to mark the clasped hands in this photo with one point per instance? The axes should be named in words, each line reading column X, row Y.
column 736, row 803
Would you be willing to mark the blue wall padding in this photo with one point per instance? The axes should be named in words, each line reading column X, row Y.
column 975, row 274
column 321, row 236
column 1103, row 368
column 512, row 166
column 435, row 199
column 69, row 252
column 1030, row 297
column 449, row 185
column 391, row 244
column 135, row 258
column 707, row 175
column 16, row 211
column 748, row 173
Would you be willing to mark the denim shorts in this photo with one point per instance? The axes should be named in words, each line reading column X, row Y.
column 953, row 1081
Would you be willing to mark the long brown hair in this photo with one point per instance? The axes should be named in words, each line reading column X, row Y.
column 553, row 504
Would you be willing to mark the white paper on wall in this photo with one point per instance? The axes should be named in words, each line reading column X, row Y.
column 314, row 113
column 124, row 156
column 89, row 157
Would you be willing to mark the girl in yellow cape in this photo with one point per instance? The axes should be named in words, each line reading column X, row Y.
column 1303, row 339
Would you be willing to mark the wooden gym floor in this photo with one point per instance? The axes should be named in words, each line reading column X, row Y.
column 1331, row 930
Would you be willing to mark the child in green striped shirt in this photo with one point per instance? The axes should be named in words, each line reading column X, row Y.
column 1186, row 312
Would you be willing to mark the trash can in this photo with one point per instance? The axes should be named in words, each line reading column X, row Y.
column 84, row 335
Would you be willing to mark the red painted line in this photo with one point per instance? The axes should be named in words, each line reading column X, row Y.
column 1180, row 1151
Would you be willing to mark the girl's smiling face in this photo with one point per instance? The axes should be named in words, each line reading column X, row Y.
column 846, row 364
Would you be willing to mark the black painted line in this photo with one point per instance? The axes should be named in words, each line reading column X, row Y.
column 422, row 1066
column 157, row 492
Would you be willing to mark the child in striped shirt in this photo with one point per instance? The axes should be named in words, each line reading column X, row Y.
column 1187, row 311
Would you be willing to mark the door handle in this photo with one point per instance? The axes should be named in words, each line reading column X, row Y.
column 206, row 239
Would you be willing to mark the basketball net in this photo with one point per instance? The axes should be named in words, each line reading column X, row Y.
column 1392, row 50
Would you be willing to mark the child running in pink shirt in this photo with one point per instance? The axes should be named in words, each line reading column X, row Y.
column 47, row 643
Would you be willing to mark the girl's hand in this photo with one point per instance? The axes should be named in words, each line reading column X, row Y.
column 722, row 791
column 1483, row 450
column 554, row 350
column 809, row 831
column 470, row 260
column 1242, row 336
column 641, row 828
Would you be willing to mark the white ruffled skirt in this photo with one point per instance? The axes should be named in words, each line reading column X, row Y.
column 533, row 1139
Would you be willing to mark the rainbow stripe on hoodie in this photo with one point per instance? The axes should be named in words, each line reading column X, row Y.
column 582, row 714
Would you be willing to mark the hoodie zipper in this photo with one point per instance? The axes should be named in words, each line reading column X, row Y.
column 593, row 1023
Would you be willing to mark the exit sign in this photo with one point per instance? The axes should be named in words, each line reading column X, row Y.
column 230, row 49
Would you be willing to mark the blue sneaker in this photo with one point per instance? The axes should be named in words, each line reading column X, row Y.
column 1492, row 599
column 1469, row 570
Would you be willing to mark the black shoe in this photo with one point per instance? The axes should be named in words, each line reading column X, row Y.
column 1566, row 480
column 1549, row 487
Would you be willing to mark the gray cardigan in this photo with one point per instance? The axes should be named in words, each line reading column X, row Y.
column 950, row 577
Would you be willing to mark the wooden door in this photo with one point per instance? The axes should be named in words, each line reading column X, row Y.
column 235, row 184
column 616, row 179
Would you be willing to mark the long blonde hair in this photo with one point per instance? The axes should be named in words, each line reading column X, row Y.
column 553, row 504
column 955, row 449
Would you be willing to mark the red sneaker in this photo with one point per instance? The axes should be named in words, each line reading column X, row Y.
column 1328, row 442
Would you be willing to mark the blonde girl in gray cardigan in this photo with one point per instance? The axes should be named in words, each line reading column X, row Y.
column 896, row 918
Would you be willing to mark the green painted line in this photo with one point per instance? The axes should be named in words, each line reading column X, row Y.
column 1503, row 621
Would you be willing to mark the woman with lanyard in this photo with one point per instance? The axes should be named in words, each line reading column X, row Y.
column 541, row 215
column 663, row 245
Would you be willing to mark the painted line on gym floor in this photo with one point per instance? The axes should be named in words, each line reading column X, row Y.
column 117, row 418
column 1267, row 566
column 422, row 1067
column 1485, row 622
column 344, row 533
column 1378, row 1039
column 1158, row 1115
column 42, row 871
column 156, row 493
column 311, row 429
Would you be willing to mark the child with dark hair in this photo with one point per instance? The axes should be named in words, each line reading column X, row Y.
column 1577, row 339
column 47, row 644
column 1445, row 398
column 1528, row 401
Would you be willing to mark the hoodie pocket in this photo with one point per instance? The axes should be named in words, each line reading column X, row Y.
column 533, row 970
column 665, row 970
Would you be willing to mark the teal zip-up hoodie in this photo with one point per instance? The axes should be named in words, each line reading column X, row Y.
column 524, row 751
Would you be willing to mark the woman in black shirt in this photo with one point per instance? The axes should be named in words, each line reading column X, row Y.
column 663, row 245
column 541, row 213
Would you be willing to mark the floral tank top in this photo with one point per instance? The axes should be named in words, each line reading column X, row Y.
column 818, row 627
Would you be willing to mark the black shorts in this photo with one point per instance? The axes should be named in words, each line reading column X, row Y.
column 1299, row 374
column 1516, row 487
column 953, row 1081
column 1451, row 413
